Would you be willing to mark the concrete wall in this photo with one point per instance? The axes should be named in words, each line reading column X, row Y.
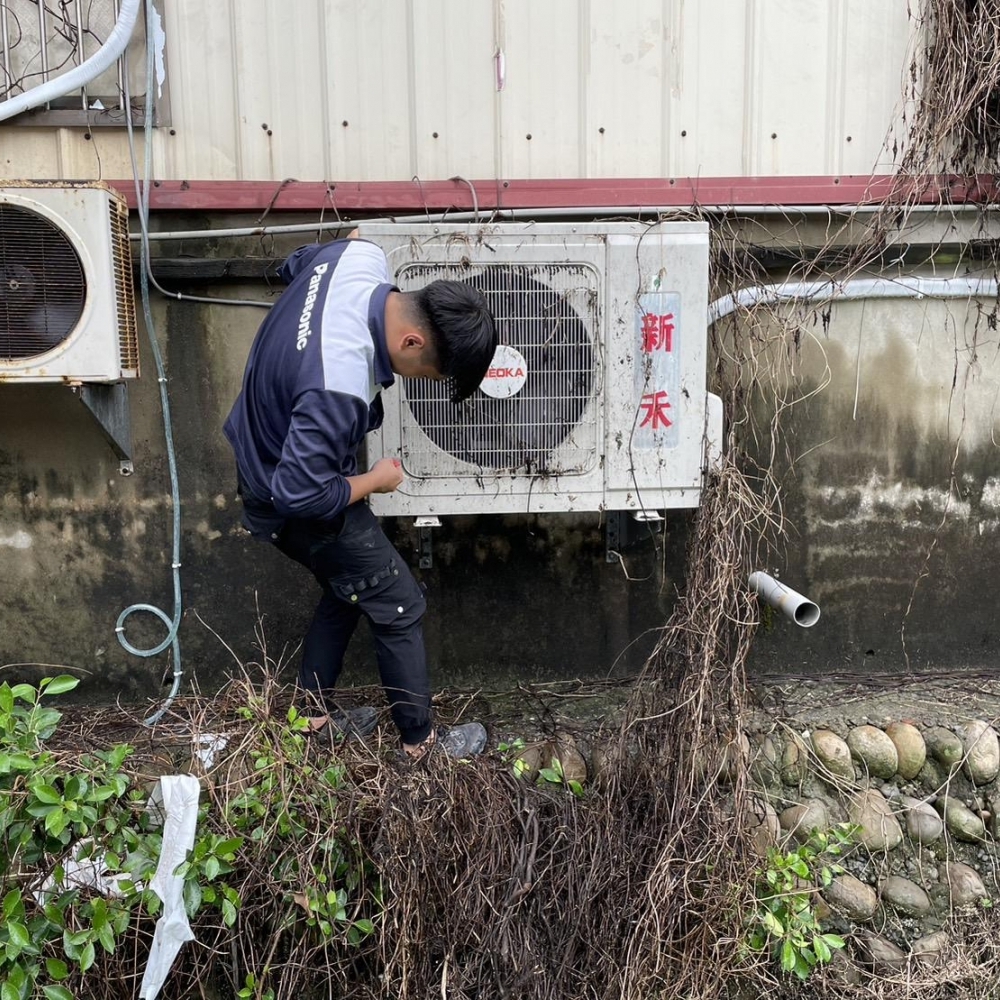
column 510, row 597
column 887, row 461
column 890, row 468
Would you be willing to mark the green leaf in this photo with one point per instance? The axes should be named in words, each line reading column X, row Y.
column 231, row 846
column 788, row 956
column 87, row 956
column 772, row 924
column 58, row 685
column 18, row 978
column 6, row 698
column 56, row 822
column 365, row 926
column 823, row 953
column 834, row 941
column 13, row 905
column 9, row 992
column 39, row 809
column 802, row 968
column 56, row 968
column 25, row 692
column 192, row 898
column 107, row 938
column 57, row 993
column 18, row 934
column 228, row 913
column 47, row 794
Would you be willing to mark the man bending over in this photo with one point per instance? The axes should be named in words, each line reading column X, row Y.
column 311, row 392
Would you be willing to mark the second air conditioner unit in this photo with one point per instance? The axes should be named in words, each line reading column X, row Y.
column 66, row 297
column 596, row 397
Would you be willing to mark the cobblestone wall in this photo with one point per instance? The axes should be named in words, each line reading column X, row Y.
column 925, row 803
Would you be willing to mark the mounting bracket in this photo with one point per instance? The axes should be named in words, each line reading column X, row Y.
column 108, row 404
column 425, row 528
column 623, row 529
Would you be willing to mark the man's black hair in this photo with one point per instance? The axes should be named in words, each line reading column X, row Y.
column 463, row 332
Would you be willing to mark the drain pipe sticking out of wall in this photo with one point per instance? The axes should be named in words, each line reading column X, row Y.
column 80, row 75
column 789, row 602
column 142, row 197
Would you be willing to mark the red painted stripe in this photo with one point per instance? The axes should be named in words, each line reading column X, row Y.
column 439, row 196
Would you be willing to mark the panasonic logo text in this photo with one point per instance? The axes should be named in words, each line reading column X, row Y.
column 305, row 327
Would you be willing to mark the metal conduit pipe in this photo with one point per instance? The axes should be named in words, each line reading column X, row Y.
column 904, row 287
column 528, row 214
column 80, row 75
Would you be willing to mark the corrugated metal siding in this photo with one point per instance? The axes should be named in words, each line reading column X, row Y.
column 392, row 89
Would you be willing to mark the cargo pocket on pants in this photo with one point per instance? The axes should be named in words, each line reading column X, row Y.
column 389, row 596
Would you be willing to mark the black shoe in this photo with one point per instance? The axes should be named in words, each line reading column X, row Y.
column 356, row 723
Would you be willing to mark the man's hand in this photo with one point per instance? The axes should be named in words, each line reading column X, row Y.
column 383, row 477
column 388, row 473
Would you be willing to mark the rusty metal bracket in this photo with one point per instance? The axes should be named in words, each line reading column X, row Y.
column 615, row 529
column 108, row 404
column 425, row 534
column 623, row 529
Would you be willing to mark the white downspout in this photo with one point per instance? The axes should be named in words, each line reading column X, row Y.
column 80, row 75
column 855, row 288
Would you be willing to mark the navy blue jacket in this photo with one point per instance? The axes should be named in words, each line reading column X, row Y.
column 311, row 388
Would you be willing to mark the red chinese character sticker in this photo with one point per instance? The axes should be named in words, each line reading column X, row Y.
column 657, row 333
column 655, row 406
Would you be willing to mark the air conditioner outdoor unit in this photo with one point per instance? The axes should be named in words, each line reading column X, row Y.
column 67, row 310
column 595, row 399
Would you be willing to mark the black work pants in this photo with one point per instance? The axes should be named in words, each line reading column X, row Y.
column 361, row 575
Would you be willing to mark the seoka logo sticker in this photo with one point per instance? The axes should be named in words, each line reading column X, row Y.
column 506, row 375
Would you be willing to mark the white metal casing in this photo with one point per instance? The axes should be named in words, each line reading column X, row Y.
column 103, row 343
column 610, row 411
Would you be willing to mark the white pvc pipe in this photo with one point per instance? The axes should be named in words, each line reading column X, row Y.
column 906, row 287
column 80, row 75
column 525, row 215
column 790, row 603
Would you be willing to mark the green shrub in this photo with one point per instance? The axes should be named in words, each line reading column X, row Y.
column 784, row 924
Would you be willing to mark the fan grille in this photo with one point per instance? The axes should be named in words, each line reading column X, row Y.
column 549, row 313
column 43, row 290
